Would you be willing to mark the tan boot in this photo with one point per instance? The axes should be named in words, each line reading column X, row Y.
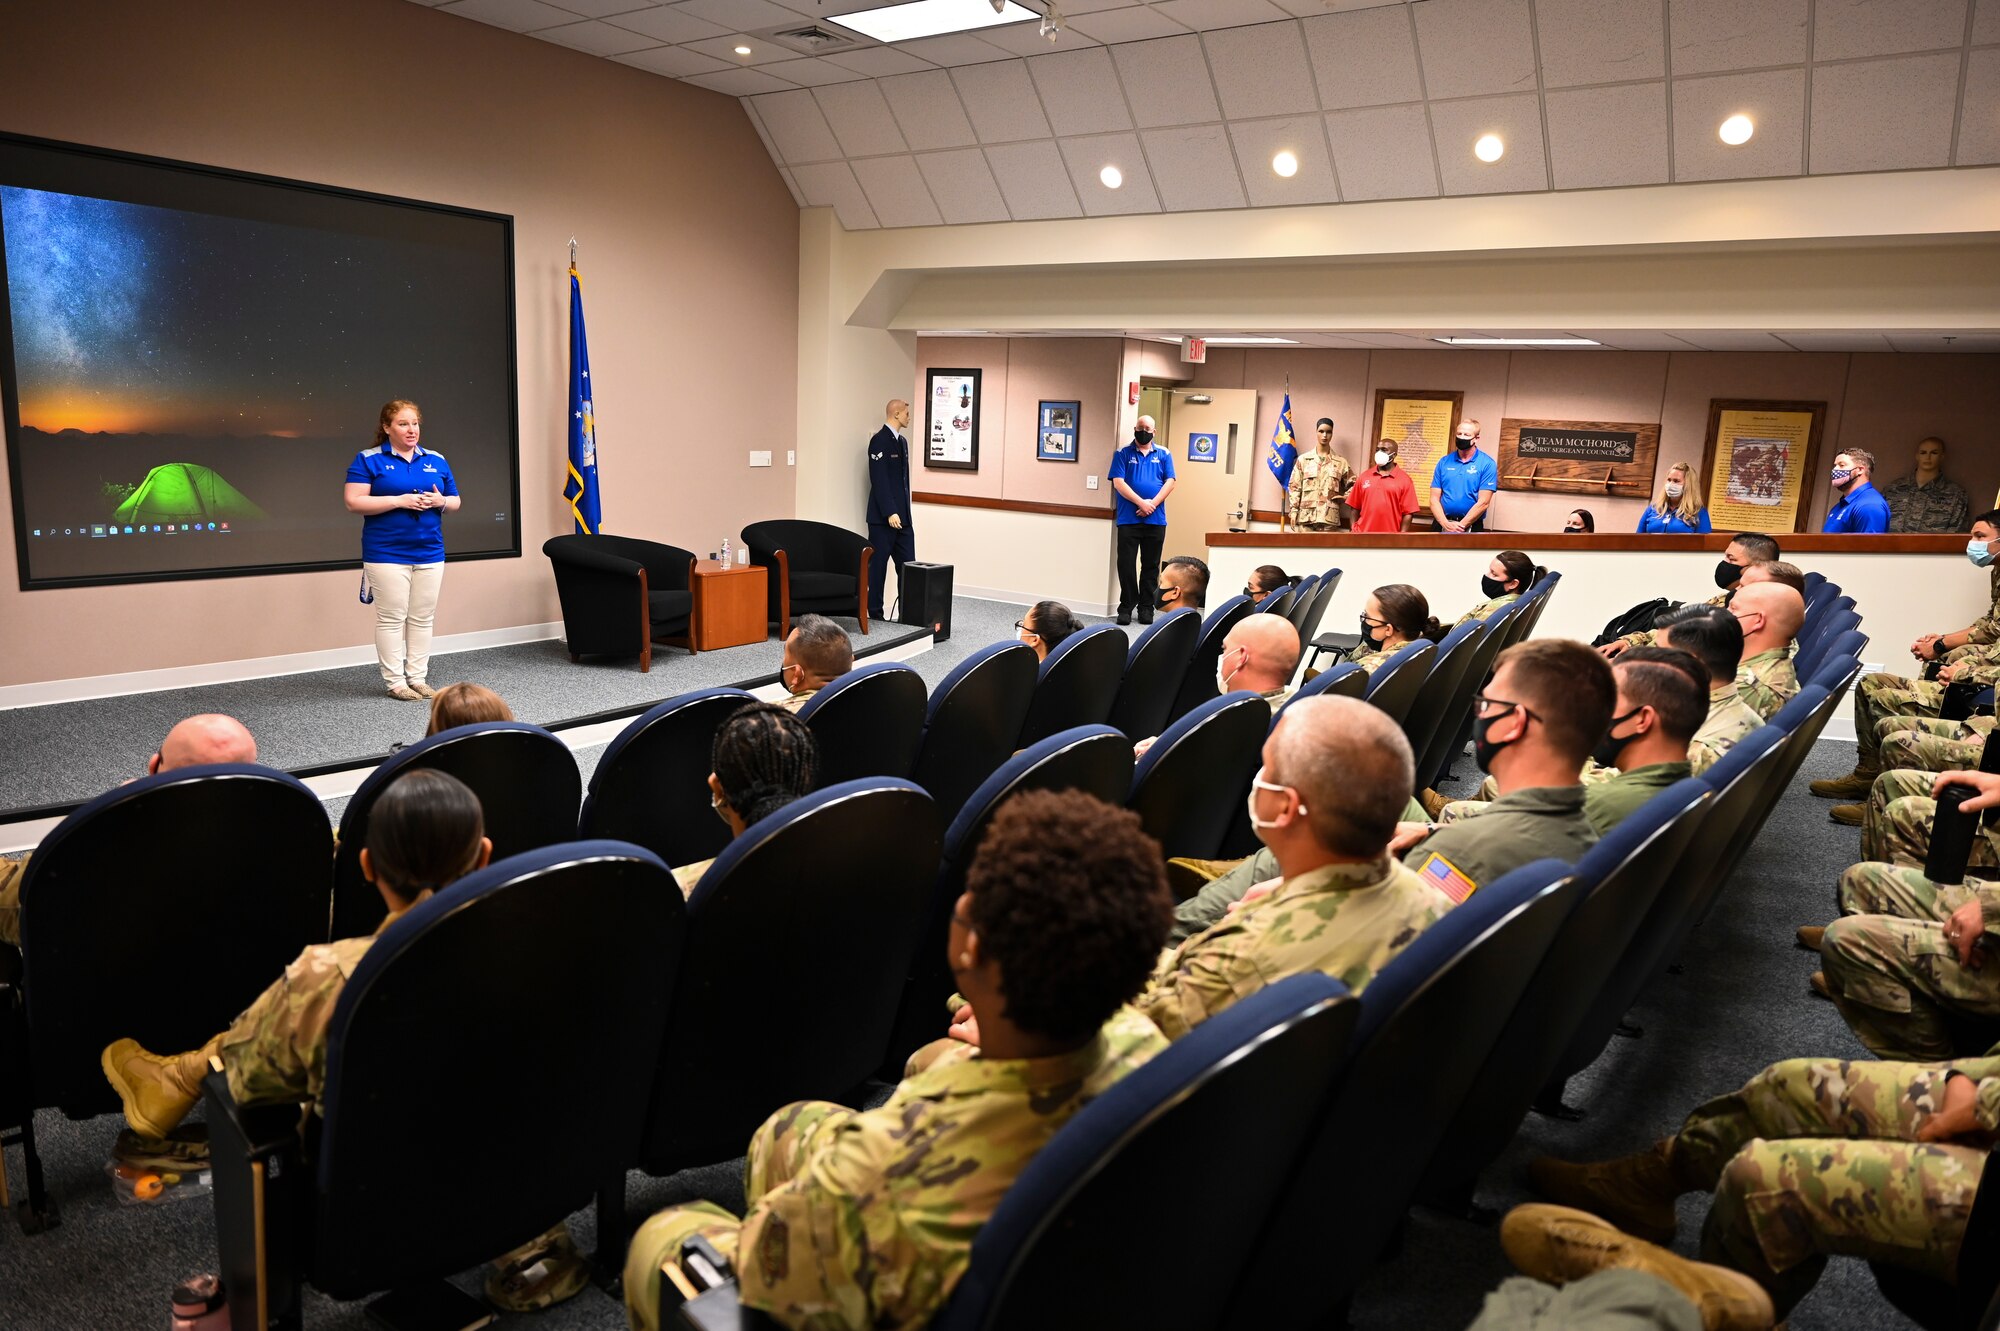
column 1818, row 986
column 1557, row 1244
column 1853, row 786
column 1809, row 936
column 157, row 1090
column 1636, row 1192
column 1848, row 815
column 1433, row 802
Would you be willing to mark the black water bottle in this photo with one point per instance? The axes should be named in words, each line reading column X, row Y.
column 1952, row 831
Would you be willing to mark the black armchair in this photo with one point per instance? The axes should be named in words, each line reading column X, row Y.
column 620, row 594
column 816, row 568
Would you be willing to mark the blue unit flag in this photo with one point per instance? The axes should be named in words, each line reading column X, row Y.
column 1284, row 452
column 580, row 488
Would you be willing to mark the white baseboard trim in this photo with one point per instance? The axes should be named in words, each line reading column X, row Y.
column 1008, row 597
column 259, row 667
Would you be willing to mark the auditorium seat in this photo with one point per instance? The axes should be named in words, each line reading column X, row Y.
column 1439, row 693
column 1190, row 786
column 815, row 568
column 620, row 594
column 1198, row 684
column 488, row 1068
column 975, row 716
column 1280, row 601
column 867, row 723
column 1450, row 739
column 1393, row 685
column 1738, row 779
column 651, row 785
column 1812, row 646
column 1153, row 671
column 1346, row 680
column 1077, row 683
column 158, row 911
column 1307, row 619
column 526, row 781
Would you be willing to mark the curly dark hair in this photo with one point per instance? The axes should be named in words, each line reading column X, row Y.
column 1071, row 898
column 765, row 758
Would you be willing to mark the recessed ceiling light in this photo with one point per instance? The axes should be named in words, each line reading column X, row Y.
column 1250, row 341
column 1513, row 341
column 1112, row 177
column 743, row 50
column 1488, row 148
column 1286, row 164
column 1737, row 129
column 930, row 18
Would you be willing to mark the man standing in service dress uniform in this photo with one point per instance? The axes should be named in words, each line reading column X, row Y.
column 889, row 530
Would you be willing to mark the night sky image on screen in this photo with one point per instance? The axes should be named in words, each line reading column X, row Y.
column 212, row 373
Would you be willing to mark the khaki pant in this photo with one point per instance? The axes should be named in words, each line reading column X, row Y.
column 406, row 597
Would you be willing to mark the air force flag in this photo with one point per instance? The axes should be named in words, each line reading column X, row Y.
column 1284, row 453
column 580, row 487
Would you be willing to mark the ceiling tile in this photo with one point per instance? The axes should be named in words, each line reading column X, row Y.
column 1846, row 28
column 600, row 8
column 1730, row 339
column 1080, row 92
column 740, row 15
column 1883, row 115
column 1710, row 35
column 926, row 107
column 1166, row 81
column 673, row 61
column 1025, row 39
column 860, row 119
column 1078, row 8
column 1258, row 141
column 1261, row 71
column 792, row 184
column 797, row 127
column 1470, row 47
column 1383, row 152
column 517, row 15
column 1600, row 41
column 957, row 49
column 879, row 62
column 1001, row 100
column 1845, row 341
column 1626, row 340
column 1194, row 168
column 896, row 191
column 1204, row 14
column 1087, row 156
column 1979, row 121
column 1986, row 23
column 739, row 82
column 724, row 49
column 962, row 186
column 811, row 73
column 1601, row 137
column 1136, row 24
column 832, row 185
column 1959, row 344
column 1033, row 180
column 1364, row 58
column 1518, row 122
column 1774, row 99
column 596, row 38
column 668, row 24
column 819, row 9
column 749, row 105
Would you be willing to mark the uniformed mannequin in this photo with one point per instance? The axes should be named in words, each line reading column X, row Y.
column 889, row 529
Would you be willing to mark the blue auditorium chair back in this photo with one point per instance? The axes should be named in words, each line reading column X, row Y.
column 1077, row 683
column 1094, row 760
column 1346, row 680
column 1198, row 684
column 1280, row 601
column 651, row 785
column 526, row 781
column 1450, row 739
column 1426, row 1022
column 1431, row 709
column 868, row 722
column 1154, row 669
column 1738, row 778
column 1306, row 617
column 1191, row 784
column 800, row 937
column 1393, row 685
column 488, row 1064
column 1839, row 663
column 975, row 717
column 1813, row 645
column 1819, row 609
column 1803, row 718
column 1815, row 581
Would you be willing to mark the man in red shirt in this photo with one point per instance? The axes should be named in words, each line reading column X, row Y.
column 1383, row 496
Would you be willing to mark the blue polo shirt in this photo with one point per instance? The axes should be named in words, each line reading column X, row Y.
column 1147, row 473
column 1862, row 509
column 402, row 535
column 1459, row 483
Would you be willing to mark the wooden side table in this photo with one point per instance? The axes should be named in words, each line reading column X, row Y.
column 730, row 604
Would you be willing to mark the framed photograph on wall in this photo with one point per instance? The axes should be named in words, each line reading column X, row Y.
column 1203, row 447
column 1421, row 422
column 1055, row 431
column 951, row 420
column 1758, row 460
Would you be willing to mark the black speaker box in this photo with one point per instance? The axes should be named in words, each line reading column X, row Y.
column 925, row 597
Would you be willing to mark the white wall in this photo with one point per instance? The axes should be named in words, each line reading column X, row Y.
column 1021, row 557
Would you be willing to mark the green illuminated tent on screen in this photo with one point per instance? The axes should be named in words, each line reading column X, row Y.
column 183, row 492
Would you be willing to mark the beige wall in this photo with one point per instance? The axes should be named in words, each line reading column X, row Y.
column 689, row 245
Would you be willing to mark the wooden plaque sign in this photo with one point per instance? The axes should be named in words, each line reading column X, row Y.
column 1610, row 458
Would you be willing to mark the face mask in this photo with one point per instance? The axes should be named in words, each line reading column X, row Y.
column 1493, row 587
column 1464, row 444
column 1162, row 595
column 1258, row 783
column 1223, row 677
column 1606, row 752
column 1142, row 436
column 1727, row 575
column 1841, row 476
column 1572, row 531
column 1368, row 636
column 785, row 678
column 1977, row 552
column 1483, row 748
column 1674, row 489
column 1383, row 459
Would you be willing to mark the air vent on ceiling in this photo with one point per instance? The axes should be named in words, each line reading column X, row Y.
column 813, row 40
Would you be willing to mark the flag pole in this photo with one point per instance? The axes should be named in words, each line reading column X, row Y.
column 572, row 256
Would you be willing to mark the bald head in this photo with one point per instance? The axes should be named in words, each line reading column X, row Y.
column 200, row 740
column 1351, row 766
column 897, row 413
column 1770, row 613
column 1269, row 653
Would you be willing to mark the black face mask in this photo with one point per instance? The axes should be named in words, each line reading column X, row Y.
column 1160, row 595
column 1142, row 436
column 1607, row 750
column 1466, row 445
column 1727, row 575
column 1369, row 637
column 1493, row 587
column 1483, row 748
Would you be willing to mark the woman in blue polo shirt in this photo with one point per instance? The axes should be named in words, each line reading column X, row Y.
column 1677, row 507
column 402, row 491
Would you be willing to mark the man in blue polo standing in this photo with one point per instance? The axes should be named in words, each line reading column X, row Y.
column 1463, row 482
column 1142, row 476
column 1861, row 507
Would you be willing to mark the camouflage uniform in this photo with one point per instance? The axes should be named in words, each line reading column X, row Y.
column 1729, row 720
column 867, row 1219
column 1890, row 970
column 1882, row 695
column 1314, row 500
column 1941, row 506
column 1348, row 920
column 1610, row 802
column 792, row 702
column 1486, row 608
column 1767, row 681
column 1511, row 831
column 1930, row 745
column 1814, row 1158
column 1896, row 823
column 12, row 871
column 1650, row 637
column 1368, row 658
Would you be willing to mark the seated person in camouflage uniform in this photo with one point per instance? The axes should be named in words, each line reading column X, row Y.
column 763, row 757
column 1967, row 652
column 1744, row 549
column 866, row 1219
column 1775, row 570
column 1714, row 638
column 817, row 652
column 1392, row 618
column 1509, row 576
column 1045, row 626
column 1771, row 615
column 1336, row 776
column 1812, row 1158
column 1259, row 655
column 195, row 742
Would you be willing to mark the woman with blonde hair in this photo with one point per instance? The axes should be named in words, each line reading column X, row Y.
column 402, row 491
column 1677, row 508
column 465, row 705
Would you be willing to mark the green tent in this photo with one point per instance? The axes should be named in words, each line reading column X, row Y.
column 183, row 492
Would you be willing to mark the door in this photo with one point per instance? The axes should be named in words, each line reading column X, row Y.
column 1215, row 450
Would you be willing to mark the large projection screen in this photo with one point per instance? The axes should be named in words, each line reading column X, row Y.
column 192, row 357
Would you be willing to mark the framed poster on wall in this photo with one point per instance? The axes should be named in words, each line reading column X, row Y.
column 1421, row 422
column 1203, row 447
column 1055, row 431
column 951, row 420
column 1758, row 460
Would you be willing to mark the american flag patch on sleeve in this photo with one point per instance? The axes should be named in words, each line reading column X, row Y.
column 1447, row 878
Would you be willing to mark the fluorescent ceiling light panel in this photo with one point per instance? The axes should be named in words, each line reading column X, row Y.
column 930, row 18
column 1517, row 341
column 1250, row 341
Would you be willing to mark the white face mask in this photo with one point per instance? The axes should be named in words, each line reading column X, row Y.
column 1381, row 458
column 1222, row 677
column 1674, row 489
column 1258, row 783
